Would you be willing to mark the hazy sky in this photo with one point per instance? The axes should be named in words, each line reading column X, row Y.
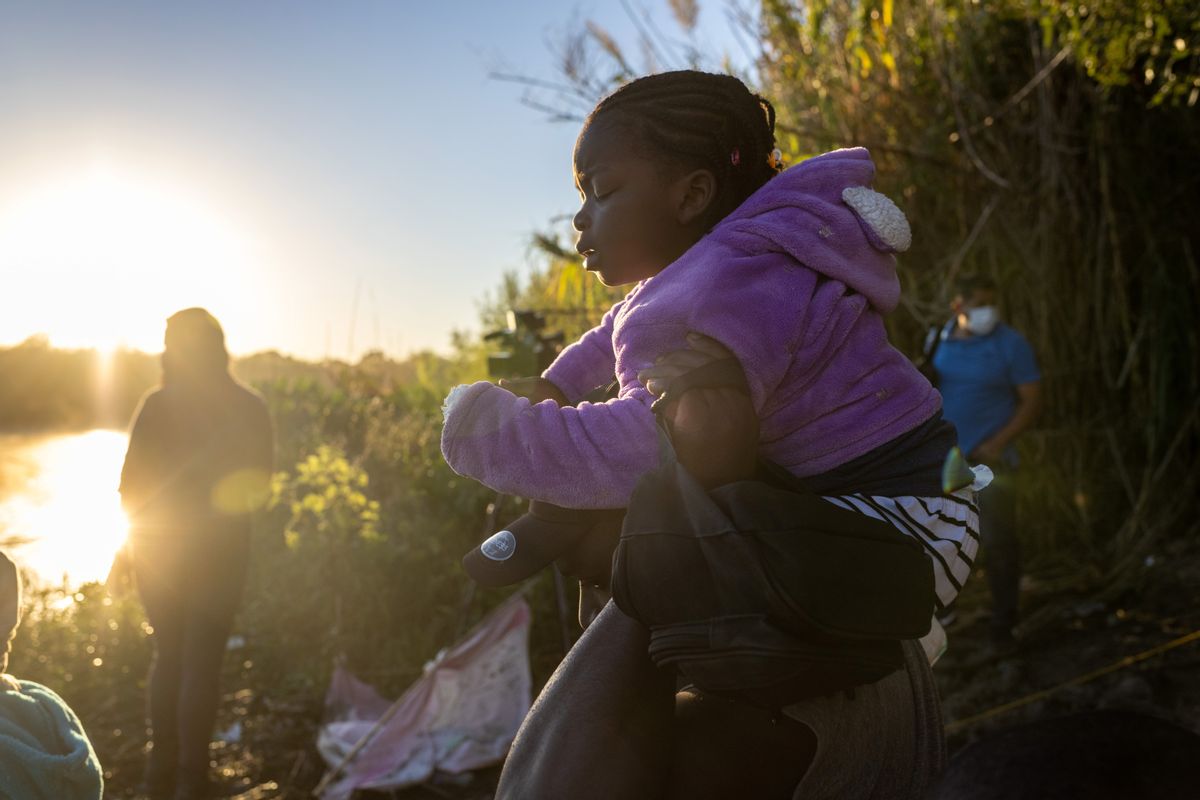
column 272, row 160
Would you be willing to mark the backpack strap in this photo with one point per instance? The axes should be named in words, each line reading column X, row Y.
column 929, row 348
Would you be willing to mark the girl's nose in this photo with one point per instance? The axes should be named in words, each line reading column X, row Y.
column 581, row 220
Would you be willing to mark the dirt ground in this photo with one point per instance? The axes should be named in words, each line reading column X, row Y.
column 1066, row 638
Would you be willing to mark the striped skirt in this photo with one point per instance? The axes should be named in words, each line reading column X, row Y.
column 946, row 526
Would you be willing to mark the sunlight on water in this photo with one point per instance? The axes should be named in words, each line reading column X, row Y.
column 60, row 493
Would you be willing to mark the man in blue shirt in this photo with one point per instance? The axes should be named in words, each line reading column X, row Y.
column 991, row 391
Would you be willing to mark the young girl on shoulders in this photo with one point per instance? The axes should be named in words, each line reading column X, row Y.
column 791, row 272
column 682, row 194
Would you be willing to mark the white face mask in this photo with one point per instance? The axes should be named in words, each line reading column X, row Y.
column 982, row 320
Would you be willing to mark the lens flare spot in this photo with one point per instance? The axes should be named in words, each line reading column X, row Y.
column 242, row 491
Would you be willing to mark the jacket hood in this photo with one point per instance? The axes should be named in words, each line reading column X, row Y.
column 46, row 754
column 823, row 213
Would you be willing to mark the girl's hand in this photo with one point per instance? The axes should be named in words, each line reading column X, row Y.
column 536, row 389
column 666, row 368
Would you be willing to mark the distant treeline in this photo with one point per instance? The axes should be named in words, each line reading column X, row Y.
column 48, row 388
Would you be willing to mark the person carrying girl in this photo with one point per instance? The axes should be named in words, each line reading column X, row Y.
column 791, row 273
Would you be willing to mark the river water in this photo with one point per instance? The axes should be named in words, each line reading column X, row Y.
column 60, row 514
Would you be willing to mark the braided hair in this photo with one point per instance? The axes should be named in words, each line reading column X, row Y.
column 701, row 120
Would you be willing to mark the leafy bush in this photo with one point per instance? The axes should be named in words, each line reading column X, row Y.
column 359, row 558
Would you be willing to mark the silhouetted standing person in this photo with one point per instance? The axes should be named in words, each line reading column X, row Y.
column 198, row 464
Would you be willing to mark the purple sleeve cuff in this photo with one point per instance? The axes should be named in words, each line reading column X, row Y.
column 589, row 456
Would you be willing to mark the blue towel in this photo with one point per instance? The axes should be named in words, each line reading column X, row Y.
column 44, row 752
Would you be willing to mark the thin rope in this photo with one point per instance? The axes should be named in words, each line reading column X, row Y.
column 1128, row 661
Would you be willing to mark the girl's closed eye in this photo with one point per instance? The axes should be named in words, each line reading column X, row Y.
column 600, row 184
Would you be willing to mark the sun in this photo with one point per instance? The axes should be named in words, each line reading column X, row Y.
column 99, row 256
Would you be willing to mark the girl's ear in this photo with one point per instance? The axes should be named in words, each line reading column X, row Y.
column 695, row 192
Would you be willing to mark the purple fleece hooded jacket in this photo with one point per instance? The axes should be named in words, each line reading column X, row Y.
column 795, row 282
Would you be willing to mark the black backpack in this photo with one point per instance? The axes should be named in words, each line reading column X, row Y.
column 763, row 592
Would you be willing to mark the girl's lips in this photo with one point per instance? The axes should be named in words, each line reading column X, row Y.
column 589, row 257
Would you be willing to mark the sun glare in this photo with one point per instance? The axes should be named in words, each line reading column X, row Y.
column 99, row 257
column 65, row 503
